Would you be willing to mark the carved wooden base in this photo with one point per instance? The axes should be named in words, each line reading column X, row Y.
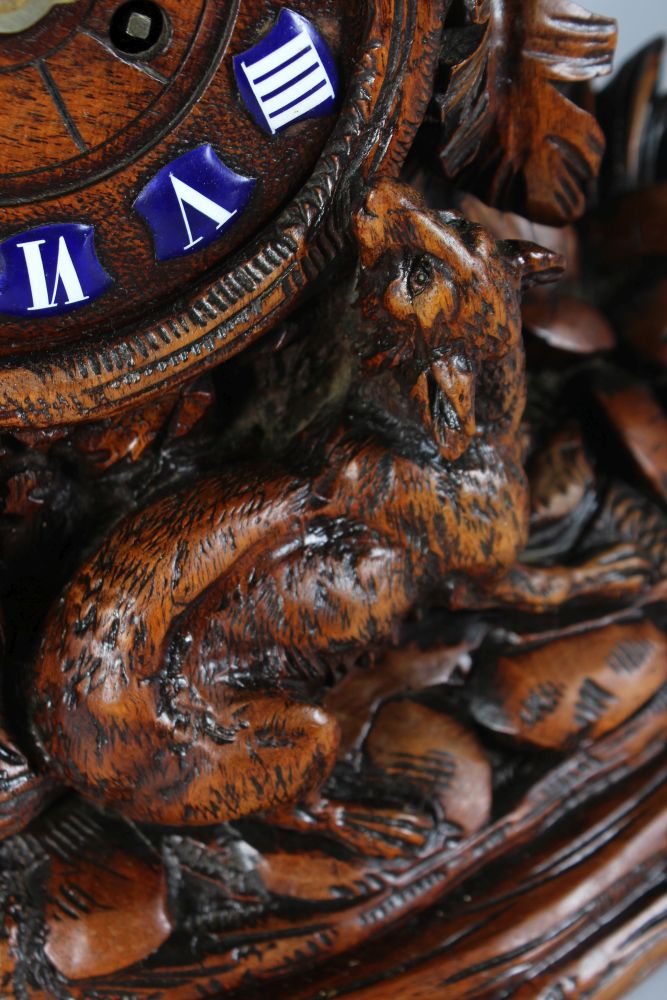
column 563, row 894
column 580, row 913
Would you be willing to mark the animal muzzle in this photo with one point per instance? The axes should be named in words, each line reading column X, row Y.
column 445, row 397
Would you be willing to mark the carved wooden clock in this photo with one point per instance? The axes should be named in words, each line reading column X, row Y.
column 333, row 662
column 149, row 143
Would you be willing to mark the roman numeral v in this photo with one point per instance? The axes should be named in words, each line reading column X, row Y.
column 195, row 199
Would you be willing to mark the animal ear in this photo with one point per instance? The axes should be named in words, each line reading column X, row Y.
column 536, row 264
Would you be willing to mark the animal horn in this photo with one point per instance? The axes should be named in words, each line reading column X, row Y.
column 536, row 264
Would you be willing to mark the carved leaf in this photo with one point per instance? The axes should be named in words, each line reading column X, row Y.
column 581, row 686
column 634, row 118
column 106, row 894
column 568, row 324
column 559, row 314
column 631, row 232
column 436, row 754
column 508, row 127
column 319, row 877
column 129, row 435
column 562, row 493
column 643, row 325
column 640, row 422
column 363, row 690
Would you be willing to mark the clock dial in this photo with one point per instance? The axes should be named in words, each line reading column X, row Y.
column 84, row 105
column 100, row 112
column 169, row 179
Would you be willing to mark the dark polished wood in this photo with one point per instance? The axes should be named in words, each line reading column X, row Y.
column 338, row 668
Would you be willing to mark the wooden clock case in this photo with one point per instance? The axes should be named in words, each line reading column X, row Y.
column 333, row 552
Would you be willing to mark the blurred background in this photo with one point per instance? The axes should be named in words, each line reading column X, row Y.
column 638, row 21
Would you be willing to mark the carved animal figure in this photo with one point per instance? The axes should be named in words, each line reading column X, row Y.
column 179, row 676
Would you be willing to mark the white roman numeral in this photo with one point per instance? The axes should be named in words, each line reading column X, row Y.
column 270, row 80
column 189, row 196
column 65, row 274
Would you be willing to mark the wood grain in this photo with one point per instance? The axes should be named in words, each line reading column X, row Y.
column 339, row 669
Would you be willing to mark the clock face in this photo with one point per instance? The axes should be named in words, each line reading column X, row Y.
column 79, row 102
column 141, row 143
column 174, row 175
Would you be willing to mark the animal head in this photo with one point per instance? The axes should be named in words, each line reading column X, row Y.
column 440, row 299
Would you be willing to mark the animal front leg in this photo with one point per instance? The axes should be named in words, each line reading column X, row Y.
column 629, row 539
column 617, row 573
column 423, row 781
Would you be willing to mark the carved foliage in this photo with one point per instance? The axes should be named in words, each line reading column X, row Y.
column 579, row 686
column 508, row 128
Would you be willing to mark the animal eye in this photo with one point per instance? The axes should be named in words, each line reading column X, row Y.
column 420, row 276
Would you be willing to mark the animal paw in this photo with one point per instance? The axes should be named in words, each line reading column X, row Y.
column 617, row 572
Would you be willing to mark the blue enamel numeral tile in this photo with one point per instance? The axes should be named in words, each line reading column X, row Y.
column 289, row 75
column 192, row 201
column 50, row 270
